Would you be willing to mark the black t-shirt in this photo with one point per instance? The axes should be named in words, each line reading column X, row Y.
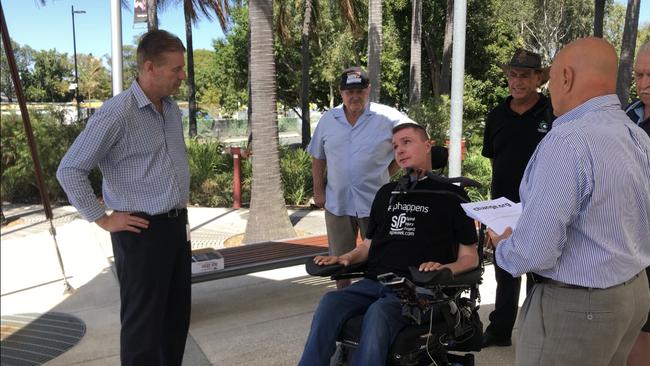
column 417, row 227
column 510, row 140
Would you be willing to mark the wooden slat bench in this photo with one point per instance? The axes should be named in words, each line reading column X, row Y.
column 265, row 256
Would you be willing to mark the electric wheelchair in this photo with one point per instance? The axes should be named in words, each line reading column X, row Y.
column 442, row 308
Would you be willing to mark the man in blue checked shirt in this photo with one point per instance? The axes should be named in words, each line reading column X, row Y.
column 352, row 157
column 136, row 139
column 584, row 231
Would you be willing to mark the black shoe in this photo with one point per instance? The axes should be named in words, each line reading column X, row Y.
column 491, row 340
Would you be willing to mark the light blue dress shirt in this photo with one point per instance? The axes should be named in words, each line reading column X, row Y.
column 357, row 157
column 586, row 201
column 140, row 152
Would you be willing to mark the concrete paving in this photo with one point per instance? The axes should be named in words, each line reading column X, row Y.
column 257, row 319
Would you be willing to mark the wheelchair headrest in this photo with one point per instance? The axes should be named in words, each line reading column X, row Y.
column 445, row 277
column 439, row 157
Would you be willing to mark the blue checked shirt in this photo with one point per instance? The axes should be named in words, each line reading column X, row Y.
column 140, row 153
column 586, row 201
column 357, row 157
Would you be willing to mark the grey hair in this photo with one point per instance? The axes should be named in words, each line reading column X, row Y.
column 645, row 48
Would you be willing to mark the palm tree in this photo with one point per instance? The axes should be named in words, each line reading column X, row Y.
column 268, row 218
column 628, row 44
column 306, row 63
column 440, row 67
column 152, row 14
column 599, row 15
column 206, row 8
column 374, row 48
column 444, row 83
column 415, row 78
column 348, row 10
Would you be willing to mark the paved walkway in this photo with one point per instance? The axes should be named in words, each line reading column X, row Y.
column 257, row 319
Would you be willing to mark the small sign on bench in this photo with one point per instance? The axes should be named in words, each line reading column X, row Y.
column 206, row 260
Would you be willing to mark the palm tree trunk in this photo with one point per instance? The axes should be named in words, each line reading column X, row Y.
column 415, row 76
column 268, row 218
column 628, row 44
column 445, row 64
column 306, row 61
column 599, row 15
column 191, row 87
column 433, row 65
column 152, row 14
column 374, row 48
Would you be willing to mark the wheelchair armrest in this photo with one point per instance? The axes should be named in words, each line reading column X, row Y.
column 335, row 270
column 445, row 277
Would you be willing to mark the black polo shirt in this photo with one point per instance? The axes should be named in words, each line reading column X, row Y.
column 510, row 140
column 631, row 112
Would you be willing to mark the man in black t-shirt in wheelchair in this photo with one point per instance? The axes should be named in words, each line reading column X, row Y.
column 427, row 230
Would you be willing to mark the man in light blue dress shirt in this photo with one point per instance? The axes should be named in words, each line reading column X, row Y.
column 136, row 140
column 352, row 142
column 584, row 231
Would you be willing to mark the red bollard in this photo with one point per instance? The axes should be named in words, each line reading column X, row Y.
column 237, row 155
column 236, row 175
column 463, row 150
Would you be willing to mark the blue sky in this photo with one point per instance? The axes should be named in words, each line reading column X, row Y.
column 50, row 26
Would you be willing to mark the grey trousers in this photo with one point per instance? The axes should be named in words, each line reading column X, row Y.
column 566, row 326
column 342, row 232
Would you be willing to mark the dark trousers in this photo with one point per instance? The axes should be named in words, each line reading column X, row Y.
column 502, row 318
column 154, row 272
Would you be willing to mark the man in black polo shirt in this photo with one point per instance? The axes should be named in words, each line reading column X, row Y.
column 512, row 131
column 639, row 113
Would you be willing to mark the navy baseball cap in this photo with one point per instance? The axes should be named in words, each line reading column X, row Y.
column 354, row 78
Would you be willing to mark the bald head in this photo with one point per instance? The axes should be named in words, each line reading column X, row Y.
column 584, row 69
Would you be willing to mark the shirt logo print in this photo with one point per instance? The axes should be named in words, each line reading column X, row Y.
column 542, row 127
column 402, row 225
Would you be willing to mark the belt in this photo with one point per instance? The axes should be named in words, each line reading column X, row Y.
column 549, row 281
column 171, row 214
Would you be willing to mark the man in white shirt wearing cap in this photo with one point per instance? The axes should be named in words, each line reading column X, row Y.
column 352, row 143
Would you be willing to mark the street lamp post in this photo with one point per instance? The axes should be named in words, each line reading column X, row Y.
column 74, row 46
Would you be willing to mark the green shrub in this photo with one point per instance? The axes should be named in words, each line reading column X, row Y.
column 433, row 114
column 477, row 167
column 287, row 124
column 211, row 171
column 206, row 160
column 53, row 139
column 211, row 174
column 295, row 166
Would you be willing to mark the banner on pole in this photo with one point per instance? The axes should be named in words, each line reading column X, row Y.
column 139, row 11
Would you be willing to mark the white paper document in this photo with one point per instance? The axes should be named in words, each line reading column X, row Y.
column 496, row 214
